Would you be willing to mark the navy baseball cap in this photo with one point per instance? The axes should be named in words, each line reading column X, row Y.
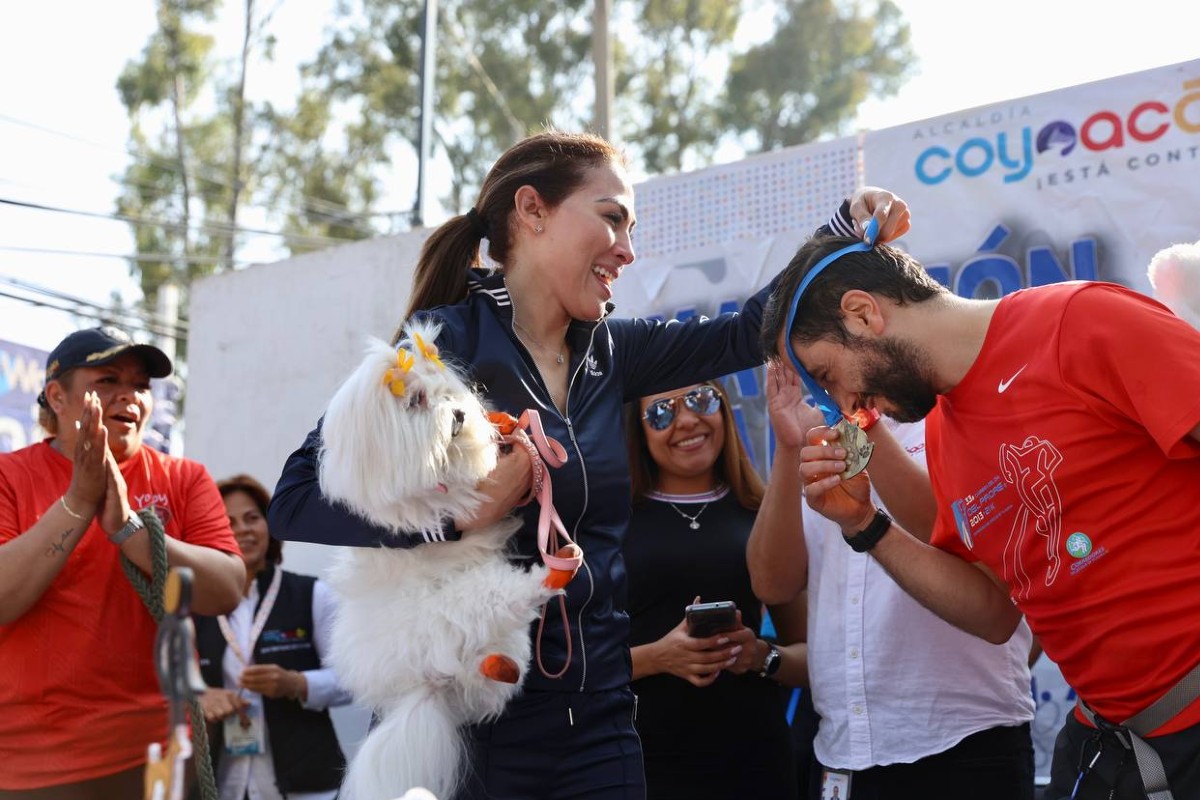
column 95, row 347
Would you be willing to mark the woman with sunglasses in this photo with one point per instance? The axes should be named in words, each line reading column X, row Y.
column 710, row 709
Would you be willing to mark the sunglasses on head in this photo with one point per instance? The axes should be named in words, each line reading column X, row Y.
column 703, row 400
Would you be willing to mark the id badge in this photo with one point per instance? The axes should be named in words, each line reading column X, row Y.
column 835, row 784
column 244, row 738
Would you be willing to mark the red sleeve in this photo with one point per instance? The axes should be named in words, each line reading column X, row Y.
column 945, row 528
column 10, row 526
column 1127, row 354
column 205, row 523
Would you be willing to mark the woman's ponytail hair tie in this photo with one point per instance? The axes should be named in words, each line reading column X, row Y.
column 479, row 225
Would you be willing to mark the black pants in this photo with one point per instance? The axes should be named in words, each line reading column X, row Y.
column 1114, row 774
column 996, row 764
column 558, row 746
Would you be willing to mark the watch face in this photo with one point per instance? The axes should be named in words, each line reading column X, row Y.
column 771, row 665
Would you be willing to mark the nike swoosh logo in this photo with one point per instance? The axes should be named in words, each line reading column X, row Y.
column 1005, row 384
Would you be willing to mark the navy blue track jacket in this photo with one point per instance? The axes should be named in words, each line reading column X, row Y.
column 613, row 361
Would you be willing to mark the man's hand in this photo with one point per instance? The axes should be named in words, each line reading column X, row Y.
column 791, row 417
column 272, row 680
column 848, row 503
column 217, row 704
column 889, row 210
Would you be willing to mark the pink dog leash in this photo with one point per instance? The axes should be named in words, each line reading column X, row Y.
column 567, row 557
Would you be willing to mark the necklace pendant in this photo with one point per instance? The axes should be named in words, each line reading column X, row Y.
column 560, row 358
column 695, row 525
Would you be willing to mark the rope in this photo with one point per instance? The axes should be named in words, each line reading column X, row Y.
column 151, row 592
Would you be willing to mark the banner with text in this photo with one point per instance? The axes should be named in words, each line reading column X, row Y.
column 1087, row 182
column 21, row 371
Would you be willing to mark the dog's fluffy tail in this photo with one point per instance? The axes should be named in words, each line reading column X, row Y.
column 416, row 744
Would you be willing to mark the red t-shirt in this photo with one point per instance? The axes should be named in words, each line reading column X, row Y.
column 79, row 697
column 1062, row 461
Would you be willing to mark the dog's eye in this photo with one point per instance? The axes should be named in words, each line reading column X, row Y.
column 457, row 425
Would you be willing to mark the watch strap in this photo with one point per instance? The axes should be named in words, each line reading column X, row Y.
column 131, row 526
column 868, row 537
column 771, row 662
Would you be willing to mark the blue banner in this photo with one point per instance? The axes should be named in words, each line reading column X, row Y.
column 21, row 372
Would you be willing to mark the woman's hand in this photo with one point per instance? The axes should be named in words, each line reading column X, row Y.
column 748, row 658
column 88, row 469
column 848, row 503
column 697, row 661
column 217, row 704
column 115, row 511
column 791, row 417
column 505, row 487
column 272, row 680
column 889, row 210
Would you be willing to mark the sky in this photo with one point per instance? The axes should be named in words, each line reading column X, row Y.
column 63, row 129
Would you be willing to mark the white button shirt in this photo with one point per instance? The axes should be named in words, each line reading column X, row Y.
column 893, row 683
column 254, row 776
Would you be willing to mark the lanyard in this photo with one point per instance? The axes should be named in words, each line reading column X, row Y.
column 260, row 620
column 824, row 402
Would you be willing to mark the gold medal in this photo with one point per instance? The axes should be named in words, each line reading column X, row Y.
column 858, row 448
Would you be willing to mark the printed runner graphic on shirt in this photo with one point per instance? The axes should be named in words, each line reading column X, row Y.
column 1030, row 468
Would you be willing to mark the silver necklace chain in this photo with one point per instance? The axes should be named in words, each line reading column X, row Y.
column 558, row 357
column 694, row 521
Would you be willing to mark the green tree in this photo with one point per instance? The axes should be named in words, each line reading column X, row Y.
column 502, row 70
column 669, row 79
column 162, row 193
column 825, row 58
column 203, row 152
column 508, row 67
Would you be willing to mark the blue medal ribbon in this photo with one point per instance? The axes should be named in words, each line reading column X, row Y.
column 829, row 409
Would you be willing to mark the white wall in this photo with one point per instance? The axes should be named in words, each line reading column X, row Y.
column 269, row 345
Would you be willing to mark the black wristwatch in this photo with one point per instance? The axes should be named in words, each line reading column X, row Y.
column 771, row 662
column 869, row 536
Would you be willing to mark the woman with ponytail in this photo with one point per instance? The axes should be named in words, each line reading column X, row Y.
column 557, row 213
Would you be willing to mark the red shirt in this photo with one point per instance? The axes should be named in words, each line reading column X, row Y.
column 1063, row 462
column 79, row 697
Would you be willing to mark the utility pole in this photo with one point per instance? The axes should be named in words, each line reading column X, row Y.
column 425, row 137
column 602, row 58
column 167, row 315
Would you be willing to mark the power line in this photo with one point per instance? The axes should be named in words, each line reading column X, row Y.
column 207, row 226
column 313, row 206
column 135, row 257
column 205, row 174
column 149, row 328
column 140, row 316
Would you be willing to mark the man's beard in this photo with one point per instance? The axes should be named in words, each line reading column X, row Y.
column 899, row 373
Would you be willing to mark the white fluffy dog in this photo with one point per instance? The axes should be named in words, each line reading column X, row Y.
column 436, row 636
column 1175, row 275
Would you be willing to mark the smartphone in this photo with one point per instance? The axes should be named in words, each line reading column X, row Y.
column 709, row 619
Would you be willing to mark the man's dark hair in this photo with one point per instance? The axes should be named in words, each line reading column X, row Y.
column 881, row 270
